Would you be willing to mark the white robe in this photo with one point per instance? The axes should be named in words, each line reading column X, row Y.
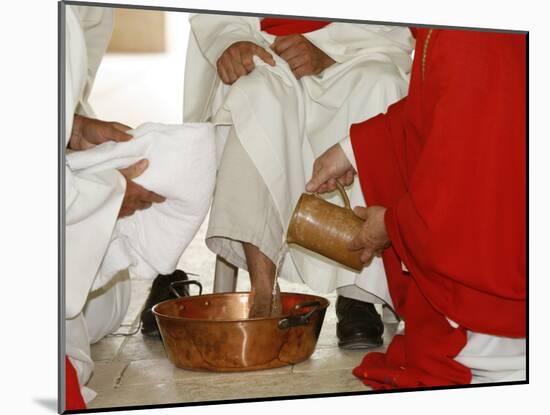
column 100, row 248
column 92, row 201
column 284, row 123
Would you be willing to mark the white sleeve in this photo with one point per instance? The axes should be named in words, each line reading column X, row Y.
column 347, row 148
column 97, row 26
column 215, row 33
column 92, row 203
column 344, row 41
column 210, row 36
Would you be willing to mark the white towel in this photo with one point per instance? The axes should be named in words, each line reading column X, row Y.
column 182, row 168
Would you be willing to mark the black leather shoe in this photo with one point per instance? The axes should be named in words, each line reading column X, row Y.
column 359, row 324
column 160, row 291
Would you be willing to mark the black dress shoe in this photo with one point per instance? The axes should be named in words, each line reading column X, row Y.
column 160, row 291
column 359, row 324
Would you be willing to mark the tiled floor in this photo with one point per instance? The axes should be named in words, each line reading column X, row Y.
column 134, row 370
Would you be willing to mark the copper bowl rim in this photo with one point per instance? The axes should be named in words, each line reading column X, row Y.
column 324, row 305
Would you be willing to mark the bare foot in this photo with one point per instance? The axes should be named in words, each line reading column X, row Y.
column 260, row 303
column 264, row 304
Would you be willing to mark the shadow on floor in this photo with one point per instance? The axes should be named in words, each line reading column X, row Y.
column 48, row 403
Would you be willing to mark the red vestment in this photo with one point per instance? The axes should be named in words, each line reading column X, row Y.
column 448, row 161
column 284, row 27
column 73, row 398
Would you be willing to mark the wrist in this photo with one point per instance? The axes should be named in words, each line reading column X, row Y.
column 78, row 122
column 385, row 230
column 385, row 225
column 76, row 132
column 326, row 61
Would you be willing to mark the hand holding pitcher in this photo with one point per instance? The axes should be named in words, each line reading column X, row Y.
column 372, row 238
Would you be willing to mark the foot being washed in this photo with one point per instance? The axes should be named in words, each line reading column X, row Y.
column 265, row 302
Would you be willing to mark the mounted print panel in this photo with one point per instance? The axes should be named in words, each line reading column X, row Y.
column 272, row 207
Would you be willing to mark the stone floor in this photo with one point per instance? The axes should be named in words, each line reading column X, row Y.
column 133, row 370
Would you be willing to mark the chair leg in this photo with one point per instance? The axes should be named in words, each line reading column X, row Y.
column 225, row 276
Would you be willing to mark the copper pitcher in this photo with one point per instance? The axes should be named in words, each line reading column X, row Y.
column 326, row 228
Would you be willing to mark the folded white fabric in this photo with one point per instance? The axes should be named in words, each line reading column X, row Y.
column 182, row 168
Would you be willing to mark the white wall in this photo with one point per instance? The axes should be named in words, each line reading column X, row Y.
column 136, row 88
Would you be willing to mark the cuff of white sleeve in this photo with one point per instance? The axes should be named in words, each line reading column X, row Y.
column 347, row 148
column 322, row 39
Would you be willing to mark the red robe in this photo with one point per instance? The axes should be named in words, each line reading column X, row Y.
column 448, row 161
column 283, row 27
column 73, row 398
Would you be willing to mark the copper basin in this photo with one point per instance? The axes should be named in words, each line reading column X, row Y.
column 212, row 332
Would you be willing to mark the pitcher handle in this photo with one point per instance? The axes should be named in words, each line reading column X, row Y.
column 343, row 194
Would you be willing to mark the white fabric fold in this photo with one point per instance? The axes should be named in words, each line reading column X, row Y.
column 182, row 168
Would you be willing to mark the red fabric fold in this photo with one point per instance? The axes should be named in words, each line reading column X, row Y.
column 448, row 162
column 284, row 27
column 423, row 356
column 73, row 396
